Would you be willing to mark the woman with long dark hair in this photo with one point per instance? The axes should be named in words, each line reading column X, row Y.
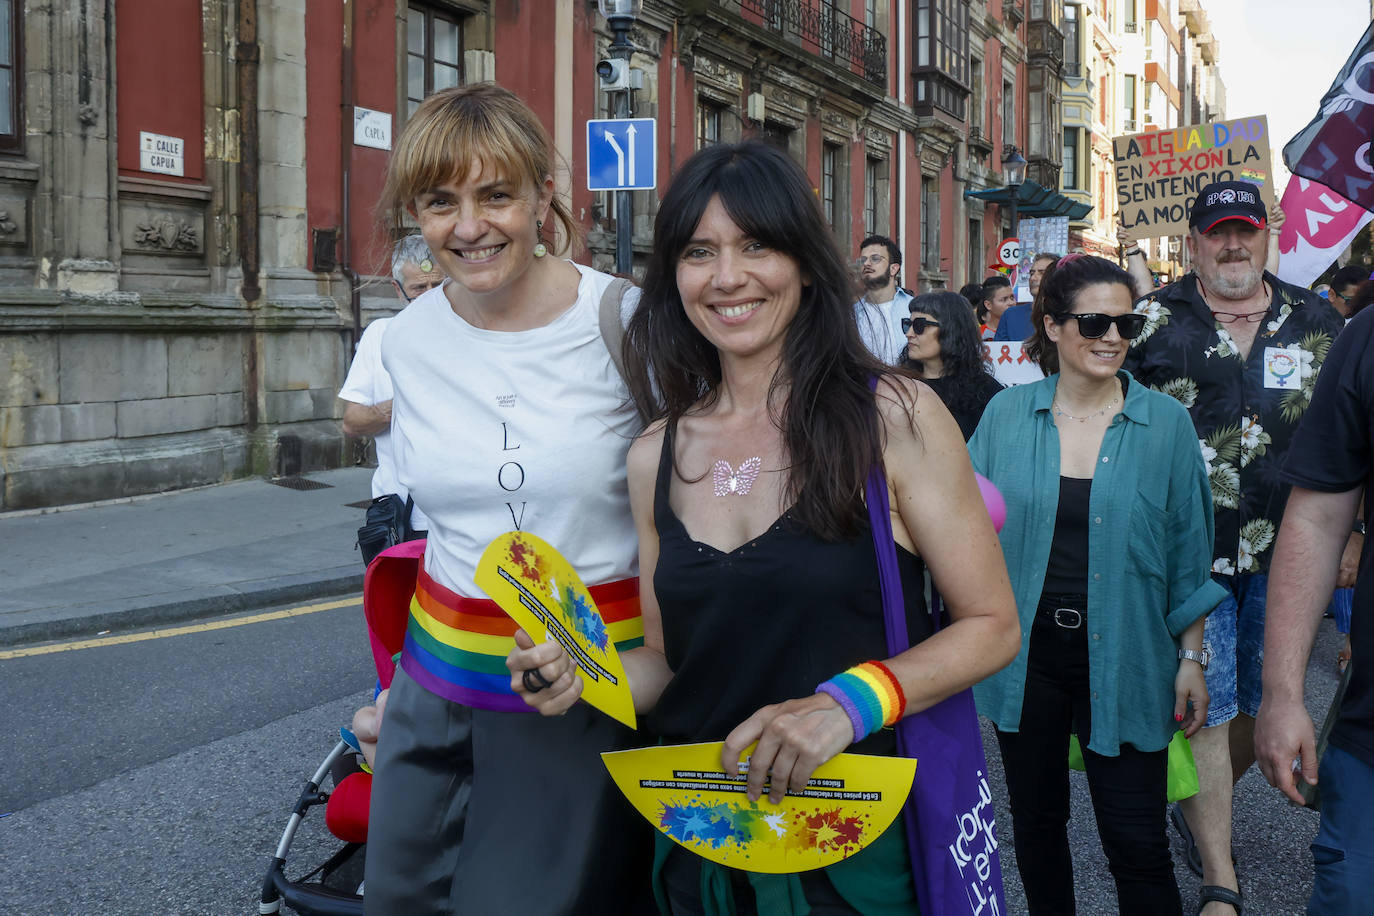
column 944, row 349
column 758, row 566
column 1108, row 542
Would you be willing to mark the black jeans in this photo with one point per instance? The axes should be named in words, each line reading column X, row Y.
column 1128, row 790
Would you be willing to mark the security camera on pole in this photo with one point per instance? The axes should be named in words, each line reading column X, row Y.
column 616, row 79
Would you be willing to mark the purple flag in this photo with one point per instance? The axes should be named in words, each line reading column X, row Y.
column 1335, row 148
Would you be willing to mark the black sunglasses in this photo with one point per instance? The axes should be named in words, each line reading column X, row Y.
column 1093, row 325
column 919, row 324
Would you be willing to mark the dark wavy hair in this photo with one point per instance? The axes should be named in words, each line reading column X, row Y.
column 962, row 359
column 1062, row 283
column 819, row 397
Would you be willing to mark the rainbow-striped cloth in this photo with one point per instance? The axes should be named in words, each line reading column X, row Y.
column 456, row 647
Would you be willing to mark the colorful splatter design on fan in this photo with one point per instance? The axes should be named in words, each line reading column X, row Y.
column 715, row 824
column 531, row 563
column 585, row 618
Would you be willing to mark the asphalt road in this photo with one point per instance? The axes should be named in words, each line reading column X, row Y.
column 155, row 776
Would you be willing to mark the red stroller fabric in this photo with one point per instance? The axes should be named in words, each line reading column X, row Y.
column 388, row 587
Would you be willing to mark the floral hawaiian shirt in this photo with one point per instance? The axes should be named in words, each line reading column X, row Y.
column 1245, row 411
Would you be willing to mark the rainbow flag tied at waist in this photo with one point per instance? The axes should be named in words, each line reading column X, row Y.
column 456, row 647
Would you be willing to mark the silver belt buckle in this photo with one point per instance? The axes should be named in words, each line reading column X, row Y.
column 1068, row 618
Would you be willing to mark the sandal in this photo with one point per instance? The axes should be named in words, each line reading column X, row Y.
column 1213, row 893
column 1190, row 850
column 1343, row 656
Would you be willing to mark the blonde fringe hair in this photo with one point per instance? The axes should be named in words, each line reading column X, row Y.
column 454, row 127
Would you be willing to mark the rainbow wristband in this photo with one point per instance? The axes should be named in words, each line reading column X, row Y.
column 869, row 694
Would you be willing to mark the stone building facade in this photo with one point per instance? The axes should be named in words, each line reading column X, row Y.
column 188, row 237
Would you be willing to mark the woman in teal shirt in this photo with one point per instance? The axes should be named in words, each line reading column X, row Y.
column 1108, row 542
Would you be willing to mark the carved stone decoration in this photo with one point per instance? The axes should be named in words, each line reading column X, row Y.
column 7, row 225
column 88, row 115
column 167, row 234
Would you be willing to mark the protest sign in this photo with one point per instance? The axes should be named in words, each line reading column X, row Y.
column 1010, row 363
column 1045, row 235
column 1159, row 173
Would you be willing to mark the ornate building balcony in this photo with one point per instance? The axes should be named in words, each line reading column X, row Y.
column 819, row 28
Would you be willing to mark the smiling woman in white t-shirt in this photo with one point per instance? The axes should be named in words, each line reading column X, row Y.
column 510, row 415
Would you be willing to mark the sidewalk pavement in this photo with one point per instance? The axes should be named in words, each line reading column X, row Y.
column 236, row 546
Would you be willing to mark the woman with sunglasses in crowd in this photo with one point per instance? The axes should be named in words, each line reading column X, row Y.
column 943, row 349
column 1108, row 542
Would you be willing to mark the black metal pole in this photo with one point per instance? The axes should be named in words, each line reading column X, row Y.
column 1015, row 193
column 624, row 200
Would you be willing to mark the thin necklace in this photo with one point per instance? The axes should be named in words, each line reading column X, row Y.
column 1059, row 411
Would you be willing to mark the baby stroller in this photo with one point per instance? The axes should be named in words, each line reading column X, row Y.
column 327, row 890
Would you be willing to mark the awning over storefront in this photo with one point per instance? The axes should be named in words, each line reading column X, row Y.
column 1034, row 200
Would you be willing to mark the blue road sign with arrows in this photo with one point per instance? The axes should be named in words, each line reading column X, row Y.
column 621, row 154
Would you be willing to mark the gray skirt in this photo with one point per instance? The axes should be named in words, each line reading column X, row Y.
column 490, row 812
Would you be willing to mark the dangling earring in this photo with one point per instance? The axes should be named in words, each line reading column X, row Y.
column 540, row 249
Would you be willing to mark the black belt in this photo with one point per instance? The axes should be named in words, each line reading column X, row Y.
column 1067, row 611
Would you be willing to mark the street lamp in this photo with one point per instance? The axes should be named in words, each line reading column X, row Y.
column 620, row 16
column 1014, row 171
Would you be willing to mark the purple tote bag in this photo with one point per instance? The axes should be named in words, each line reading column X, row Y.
column 948, row 816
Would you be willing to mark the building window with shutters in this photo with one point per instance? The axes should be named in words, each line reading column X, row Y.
column 930, row 223
column 434, row 53
column 708, row 124
column 829, row 156
column 873, row 170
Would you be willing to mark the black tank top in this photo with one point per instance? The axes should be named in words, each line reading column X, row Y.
column 766, row 622
column 1067, row 571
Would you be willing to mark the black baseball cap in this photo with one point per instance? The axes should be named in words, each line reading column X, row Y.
column 1223, row 200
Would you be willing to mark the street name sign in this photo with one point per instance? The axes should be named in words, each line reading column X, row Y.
column 621, row 154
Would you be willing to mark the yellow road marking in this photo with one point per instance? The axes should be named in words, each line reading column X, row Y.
column 180, row 631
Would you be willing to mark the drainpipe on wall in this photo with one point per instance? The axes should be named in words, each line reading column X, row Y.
column 247, row 56
column 355, row 300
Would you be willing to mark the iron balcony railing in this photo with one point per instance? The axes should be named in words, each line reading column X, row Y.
column 836, row 35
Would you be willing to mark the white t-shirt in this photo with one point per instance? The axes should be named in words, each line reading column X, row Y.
column 368, row 384
column 503, row 430
column 880, row 326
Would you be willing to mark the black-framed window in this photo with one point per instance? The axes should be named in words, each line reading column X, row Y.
column 708, row 124
column 942, row 58
column 874, row 171
column 930, row 223
column 11, row 76
column 830, row 155
column 434, row 52
column 1070, row 171
column 1073, row 55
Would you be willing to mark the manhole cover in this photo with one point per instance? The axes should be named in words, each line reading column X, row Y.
column 299, row 483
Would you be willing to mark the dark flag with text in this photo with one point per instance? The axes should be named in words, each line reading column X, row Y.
column 1335, row 148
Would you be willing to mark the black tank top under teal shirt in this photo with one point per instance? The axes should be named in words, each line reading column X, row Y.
column 766, row 622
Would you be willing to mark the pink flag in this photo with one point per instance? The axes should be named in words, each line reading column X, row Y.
column 1318, row 225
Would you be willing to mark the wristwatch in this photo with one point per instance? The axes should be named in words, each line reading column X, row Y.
column 1202, row 658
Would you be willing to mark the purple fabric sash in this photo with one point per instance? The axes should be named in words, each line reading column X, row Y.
column 950, row 826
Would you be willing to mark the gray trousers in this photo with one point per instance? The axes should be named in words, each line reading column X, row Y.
column 477, row 812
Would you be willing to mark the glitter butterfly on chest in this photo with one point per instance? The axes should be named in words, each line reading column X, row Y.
column 728, row 481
